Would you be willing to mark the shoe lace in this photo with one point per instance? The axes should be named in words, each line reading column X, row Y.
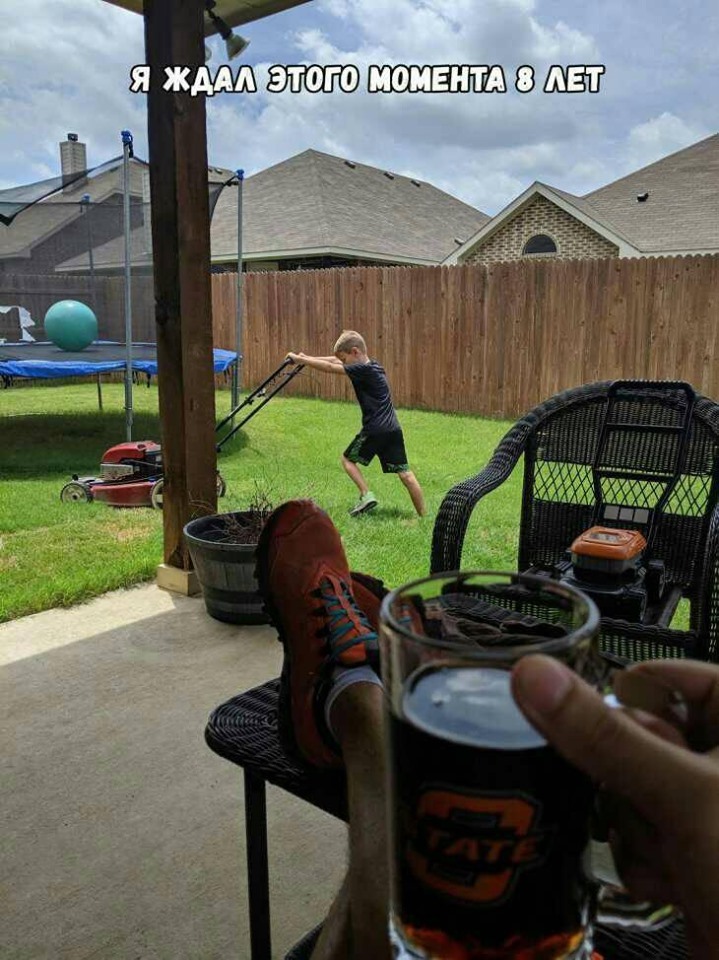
column 346, row 625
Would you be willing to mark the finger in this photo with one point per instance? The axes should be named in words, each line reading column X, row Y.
column 635, row 833
column 659, row 727
column 641, row 871
column 698, row 686
column 606, row 744
column 645, row 886
column 610, row 807
column 633, row 840
column 649, row 693
column 698, row 681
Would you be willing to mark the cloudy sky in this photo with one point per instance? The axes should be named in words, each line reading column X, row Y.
column 64, row 66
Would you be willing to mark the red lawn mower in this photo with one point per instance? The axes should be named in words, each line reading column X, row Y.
column 131, row 473
column 131, row 476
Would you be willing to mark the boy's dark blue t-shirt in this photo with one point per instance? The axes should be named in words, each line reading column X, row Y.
column 374, row 397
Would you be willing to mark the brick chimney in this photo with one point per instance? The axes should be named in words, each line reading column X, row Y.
column 73, row 158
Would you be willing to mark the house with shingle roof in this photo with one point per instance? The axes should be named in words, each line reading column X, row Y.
column 55, row 232
column 57, row 226
column 668, row 208
column 318, row 210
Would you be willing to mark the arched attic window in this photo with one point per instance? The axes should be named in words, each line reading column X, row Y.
column 539, row 243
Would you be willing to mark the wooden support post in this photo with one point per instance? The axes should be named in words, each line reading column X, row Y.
column 181, row 252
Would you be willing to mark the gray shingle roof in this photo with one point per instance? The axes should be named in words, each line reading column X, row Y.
column 33, row 225
column 60, row 209
column 679, row 215
column 682, row 210
column 314, row 201
column 583, row 205
column 111, row 255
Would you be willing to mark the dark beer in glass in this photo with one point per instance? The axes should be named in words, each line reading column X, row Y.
column 489, row 825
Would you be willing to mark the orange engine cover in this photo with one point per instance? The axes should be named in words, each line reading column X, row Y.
column 608, row 543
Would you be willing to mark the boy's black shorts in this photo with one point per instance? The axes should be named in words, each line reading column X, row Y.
column 389, row 447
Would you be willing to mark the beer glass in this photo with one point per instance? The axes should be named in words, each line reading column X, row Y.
column 489, row 826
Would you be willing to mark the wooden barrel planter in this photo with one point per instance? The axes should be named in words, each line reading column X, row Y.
column 225, row 568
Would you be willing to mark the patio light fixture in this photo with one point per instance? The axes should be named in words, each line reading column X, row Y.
column 234, row 43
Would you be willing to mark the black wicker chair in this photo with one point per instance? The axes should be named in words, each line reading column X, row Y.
column 244, row 731
column 631, row 454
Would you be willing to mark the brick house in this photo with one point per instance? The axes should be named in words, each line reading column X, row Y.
column 315, row 210
column 55, row 228
column 668, row 208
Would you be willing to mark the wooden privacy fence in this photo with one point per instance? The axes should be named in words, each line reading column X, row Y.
column 38, row 293
column 493, row 340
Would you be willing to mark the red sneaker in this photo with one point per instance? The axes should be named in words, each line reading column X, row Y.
column 369, row 592
column 304, row 579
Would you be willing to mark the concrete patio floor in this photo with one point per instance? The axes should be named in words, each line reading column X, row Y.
column 123, row 834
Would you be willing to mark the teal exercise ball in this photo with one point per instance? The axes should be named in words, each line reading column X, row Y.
column 71, row 325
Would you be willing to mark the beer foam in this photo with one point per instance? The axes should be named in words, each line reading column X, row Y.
column 469, row 705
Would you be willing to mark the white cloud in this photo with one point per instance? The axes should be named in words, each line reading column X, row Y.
column 660, row 136
column 562, row 42
column 69, row 71
column 494, row 143
column 337, row 8
column 461, row 31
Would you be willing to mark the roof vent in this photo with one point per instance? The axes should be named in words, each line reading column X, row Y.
column 348, row 163
column 642, row 197
column 416, row 183
column 390, row 176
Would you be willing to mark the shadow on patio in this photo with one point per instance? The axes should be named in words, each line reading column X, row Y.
column 124, row 837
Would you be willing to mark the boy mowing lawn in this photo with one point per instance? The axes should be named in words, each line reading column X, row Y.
column 381, row 434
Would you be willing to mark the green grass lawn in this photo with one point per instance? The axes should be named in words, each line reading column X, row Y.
column 54, row 554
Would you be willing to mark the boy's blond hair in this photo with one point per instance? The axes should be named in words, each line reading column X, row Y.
column 347, row 340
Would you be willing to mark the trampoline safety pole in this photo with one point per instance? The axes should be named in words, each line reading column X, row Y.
column 127, row 153
column 85, row 201
column 236, row 375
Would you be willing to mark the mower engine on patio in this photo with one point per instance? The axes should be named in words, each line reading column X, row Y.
column 131, row 475
column 610, row 566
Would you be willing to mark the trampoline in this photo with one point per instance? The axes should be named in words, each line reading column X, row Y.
column 87, row 236
column 45, row 361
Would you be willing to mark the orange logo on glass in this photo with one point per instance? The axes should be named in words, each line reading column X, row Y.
column 473, row 847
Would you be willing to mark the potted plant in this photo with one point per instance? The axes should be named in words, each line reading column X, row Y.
column 223, row 548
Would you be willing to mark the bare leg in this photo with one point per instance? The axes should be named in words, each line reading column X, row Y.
column 358, row 723
column 334, row 942
column 355, row 474
column 414, row 490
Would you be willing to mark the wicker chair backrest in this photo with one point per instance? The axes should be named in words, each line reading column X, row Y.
column 569, row 461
